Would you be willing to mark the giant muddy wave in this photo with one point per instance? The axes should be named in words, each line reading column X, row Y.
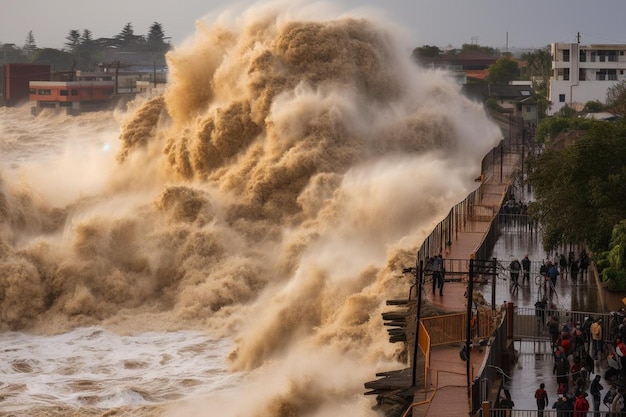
column 271, row 196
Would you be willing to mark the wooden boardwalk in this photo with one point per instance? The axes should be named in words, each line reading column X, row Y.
column 449, row 393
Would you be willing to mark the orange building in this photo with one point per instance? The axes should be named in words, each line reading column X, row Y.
column 74, row 96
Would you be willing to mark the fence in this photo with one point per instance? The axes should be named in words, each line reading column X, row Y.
column 548, row 412
column 530, row 323
column 470, row 215
column 490, row 373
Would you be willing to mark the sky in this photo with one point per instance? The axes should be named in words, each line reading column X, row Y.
column 500, row 24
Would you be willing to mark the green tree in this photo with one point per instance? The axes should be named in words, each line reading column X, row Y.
column 156, row 40
column 503, row 71
column 127, row 39
column 58, row 60
column 581, row 190
column 472, row 48
column 30, row 46
column 87, row 51
column 426, row 51
column 550, row 127
column 73, row 41
column 593, row 106
column 613, row 262
column 616, row 98
column 10, row 54
column 538, row 63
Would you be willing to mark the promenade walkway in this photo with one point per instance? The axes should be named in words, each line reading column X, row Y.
column 448, row 396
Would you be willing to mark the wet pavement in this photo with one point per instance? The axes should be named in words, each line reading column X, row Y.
column 575, row 295
column 535, row 361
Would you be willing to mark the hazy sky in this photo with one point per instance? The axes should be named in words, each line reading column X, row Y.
column 529, row 23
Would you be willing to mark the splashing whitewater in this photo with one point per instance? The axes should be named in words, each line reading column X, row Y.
column 270, row 197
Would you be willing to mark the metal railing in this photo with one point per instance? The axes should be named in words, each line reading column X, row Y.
column 490, row 370
column 548, row 412
column 530, row 323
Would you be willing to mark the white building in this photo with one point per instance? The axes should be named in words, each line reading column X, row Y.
column 582, row 73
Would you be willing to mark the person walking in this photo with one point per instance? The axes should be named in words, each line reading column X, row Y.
column 597, row 344
column 595, row 389
column 542, row 399
column 553, row 273
column 525, row 270
column 514, row 269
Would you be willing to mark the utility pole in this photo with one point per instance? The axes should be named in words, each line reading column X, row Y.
column 468, row 330
column 418, row 295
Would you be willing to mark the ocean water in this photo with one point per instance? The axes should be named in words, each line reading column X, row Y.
column 227, row 249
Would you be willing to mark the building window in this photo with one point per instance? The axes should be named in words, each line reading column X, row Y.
column 565, row 74
column 528, row 109
column 582, row 74
column 606, row 74
column 63, row 93
column 107, row 91
column 32, row 91
column 561, row 98
column 74, row 92
column 43, row 92
column 565, row 55
column 583, row 56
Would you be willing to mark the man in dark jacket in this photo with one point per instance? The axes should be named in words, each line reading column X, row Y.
column 595, row 389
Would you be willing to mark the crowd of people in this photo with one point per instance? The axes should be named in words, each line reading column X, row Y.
column 578, row 349
column 571, row 267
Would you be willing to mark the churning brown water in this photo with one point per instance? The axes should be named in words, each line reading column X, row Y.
column 227, row 249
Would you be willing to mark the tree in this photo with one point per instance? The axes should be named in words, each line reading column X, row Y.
column 472, row 48
column 156, row 39
column 580, row 190
column 30, row 46
column 10, row 53
column 593, row 106
column 550, row 127
column 73, row 40
column 616, row 98
column 58, row 60
column 426, row 51
column 503, row 71
column 127, row 39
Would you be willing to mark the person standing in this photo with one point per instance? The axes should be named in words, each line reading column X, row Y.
column 442, row 274
column 525, row 270
column 553, row 273
column 437, row 274
column 514, row 269
column 595, row 389
column 542, row 398
column 597, row 344
column 573, row 270
column 584, row 264
column 618, row 403
column 581, row 405
column 562, row 265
